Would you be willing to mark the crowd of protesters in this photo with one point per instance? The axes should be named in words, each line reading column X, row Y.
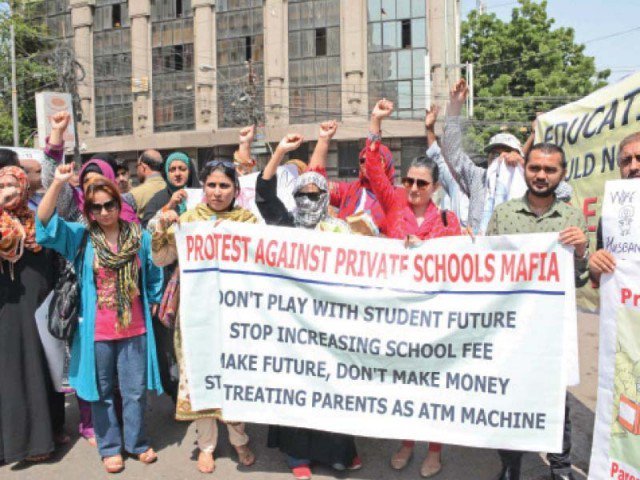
column 119, row 241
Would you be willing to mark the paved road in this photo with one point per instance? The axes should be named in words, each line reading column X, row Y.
column 176, row 448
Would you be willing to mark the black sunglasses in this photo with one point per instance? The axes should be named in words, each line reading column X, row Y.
column 313, row 196
column 625, row 161
column 217, row 163
column 96, row 208
column 408, row 182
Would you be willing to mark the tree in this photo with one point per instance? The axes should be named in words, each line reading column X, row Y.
column 34, row 71
column 522, row 67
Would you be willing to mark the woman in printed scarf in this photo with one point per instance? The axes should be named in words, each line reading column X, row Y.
column 220, row 188
column 311, row 193
column 119, row 286
column 29, row 422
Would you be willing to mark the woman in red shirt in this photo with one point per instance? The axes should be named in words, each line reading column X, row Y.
column 409, row 213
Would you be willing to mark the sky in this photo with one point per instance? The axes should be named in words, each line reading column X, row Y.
column 591, row 20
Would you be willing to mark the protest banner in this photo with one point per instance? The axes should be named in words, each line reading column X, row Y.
column 589, row 130
column 616, row 441
column 455, row 341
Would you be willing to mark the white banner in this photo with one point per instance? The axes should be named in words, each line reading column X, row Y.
column 454, row 342
column 616, row 436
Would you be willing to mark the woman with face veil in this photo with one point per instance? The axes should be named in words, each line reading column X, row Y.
column 301, row 445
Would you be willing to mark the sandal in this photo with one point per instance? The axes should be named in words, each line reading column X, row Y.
column 206, row 462
column 245, row 456
column 38, row 458
column 113, row 464
column 148, row 457
column 401, row 458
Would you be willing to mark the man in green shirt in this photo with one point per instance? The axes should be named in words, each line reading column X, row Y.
column 540, row 211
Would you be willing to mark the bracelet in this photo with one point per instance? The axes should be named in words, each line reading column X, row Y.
column 374, row 137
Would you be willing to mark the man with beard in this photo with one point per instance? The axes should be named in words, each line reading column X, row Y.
column 539, row 210
column 603, row 261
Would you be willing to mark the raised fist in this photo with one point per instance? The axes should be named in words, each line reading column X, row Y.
column 60, row 121
column 382, row 109
column 290, row 142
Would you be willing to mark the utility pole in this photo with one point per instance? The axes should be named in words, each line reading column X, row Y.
column 14, row 87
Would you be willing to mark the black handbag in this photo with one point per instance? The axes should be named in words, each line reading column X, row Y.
column 65, row 303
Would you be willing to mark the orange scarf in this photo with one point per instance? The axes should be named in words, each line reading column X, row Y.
column 17, row 222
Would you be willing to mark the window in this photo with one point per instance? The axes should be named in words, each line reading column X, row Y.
column 321, row 42
column 315, row 77
column 247, row 49
column 396, row 55
column 348, row 162
column 116, row 19
column 172, row 65
column 112, row 69
column 240, row 70
column 406, row 33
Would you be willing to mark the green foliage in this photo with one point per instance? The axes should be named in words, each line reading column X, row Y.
column 525, row 58
column 33, row 71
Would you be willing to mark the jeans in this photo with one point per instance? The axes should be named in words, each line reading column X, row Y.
column 127, row 358
column 560, row 463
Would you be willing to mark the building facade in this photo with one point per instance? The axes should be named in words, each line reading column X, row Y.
column 187, row 74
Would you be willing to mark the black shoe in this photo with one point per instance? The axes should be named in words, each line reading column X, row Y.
column 510, row 473
column 562, row 476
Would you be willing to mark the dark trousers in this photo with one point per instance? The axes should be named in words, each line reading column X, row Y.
column 559, row 462
column 167, row 363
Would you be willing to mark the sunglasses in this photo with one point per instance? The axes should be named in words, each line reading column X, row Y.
column 313, row 196
column 408, row 182
column 217, row 163
column 96, row 208
column 626, row 161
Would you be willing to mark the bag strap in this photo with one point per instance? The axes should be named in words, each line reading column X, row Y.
column 81, row 250
column 443, row 214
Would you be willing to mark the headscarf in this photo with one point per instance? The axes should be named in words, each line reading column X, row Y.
column 389, row 169
column 123, row 262
column 126, row 212
column 181, row 157
column 184, row 158
column 309, row 213
column 17, row 218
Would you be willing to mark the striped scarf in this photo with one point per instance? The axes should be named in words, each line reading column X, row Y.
column 123, row 262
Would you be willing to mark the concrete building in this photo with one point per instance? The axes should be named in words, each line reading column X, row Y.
column 186, row 74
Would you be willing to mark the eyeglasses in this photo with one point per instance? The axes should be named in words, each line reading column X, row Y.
column 408, row 182
column 96, row 208
column 626, row 161
column 313, row 196
column 217, row 163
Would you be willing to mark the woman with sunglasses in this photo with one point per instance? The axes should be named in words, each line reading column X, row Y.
column 119, row 285
column 220, row 189
column 411, row 214
column 311, row 193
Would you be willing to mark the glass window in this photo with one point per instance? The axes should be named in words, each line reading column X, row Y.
column 418, row 8
column 404, row 64
column 418, row 63
column 388, row 11
column 317, row 68
column 418, row 33
column 390, row 35
column 404, row 9
column 241, row 83
column 399, row 30
column 375, row 37
column 375, row 10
